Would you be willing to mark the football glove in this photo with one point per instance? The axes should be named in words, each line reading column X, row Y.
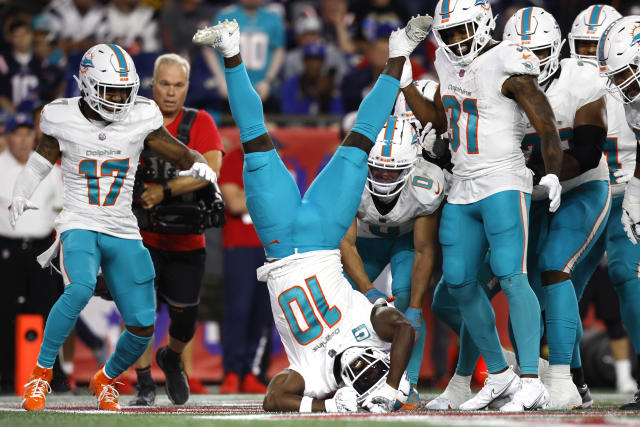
column 382, row 400
column 414, row 315
column 200, row 171
column 373, row 295
column 631, row 210
column 552, row 184
column 345, row 400
column 622, row 175
column 18, row 205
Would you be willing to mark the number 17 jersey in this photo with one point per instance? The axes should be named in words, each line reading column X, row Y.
column 99, row 165
column 485, row 127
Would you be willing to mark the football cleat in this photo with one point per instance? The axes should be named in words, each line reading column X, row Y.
column 633, row 404
column 252, row 385
column 36, row 390
column 105, row 389
column 197, row 387
column 531, row 397
column 496, row 387
column 457, row 392
column 585, row 394
column 176, row 382
column 403, row 41
column 223, row 37
column 413, row 402
column 145, row 395
column 564, row 393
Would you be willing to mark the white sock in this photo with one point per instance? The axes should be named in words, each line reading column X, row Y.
column 461, row 380
column 623, row 369
column 559, row 371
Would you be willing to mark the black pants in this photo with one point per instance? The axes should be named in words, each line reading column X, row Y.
column 179, row 275
column 27, row 288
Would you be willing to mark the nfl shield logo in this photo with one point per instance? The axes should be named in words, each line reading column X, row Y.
column 102, row 136
column 461, row 73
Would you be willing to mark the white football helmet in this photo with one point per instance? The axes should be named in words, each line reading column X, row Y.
column 366, row 369
column 426, row 87
column 104, row 67
column 589, row 26
column 478, row 21
column 619, row 58
column 395, row 151
column 536, row 29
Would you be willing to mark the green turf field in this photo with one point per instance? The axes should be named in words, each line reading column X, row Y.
column 244, row 410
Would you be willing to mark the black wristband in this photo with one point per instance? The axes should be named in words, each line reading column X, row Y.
column 166, row 190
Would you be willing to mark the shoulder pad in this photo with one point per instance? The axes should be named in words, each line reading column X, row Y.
column 515, row 59
column 427, row 185
column 55, row 113
column 146, row 110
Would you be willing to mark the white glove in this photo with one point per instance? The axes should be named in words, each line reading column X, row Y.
column 552, row 183
column 427, row 138
column 381, row 400
column 623, row 176
column 631, row 210
column 18, row 205
column 345, row 400
column 406, row 78
column 200, row 171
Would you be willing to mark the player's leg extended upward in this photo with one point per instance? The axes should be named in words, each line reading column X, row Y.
column 283, row 221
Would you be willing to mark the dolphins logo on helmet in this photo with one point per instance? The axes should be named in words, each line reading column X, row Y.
column 106, row 68
column 619, row 58
column 589, row 26
column 538, row 30
column 392, row 158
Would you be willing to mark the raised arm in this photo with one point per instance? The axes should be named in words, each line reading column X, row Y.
column 426, row 111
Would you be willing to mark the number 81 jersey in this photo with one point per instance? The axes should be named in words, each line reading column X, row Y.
column 485, row 127
column 99, row 165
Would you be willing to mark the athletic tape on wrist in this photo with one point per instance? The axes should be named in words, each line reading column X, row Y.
column 305, row 404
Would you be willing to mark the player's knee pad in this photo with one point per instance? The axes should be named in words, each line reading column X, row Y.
column 621, row 271
column 76, row 297
column 183, row 322
column 445, row 307
column 257, row 160
column 453, row 270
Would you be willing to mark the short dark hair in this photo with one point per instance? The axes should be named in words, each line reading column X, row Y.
column 18, row 23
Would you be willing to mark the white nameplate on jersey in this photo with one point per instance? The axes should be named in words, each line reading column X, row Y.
column 361, row 333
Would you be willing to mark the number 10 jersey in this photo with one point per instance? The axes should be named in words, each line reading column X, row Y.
column 99, row 165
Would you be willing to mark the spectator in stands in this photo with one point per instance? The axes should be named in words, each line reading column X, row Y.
column 77, row 24
column 27, row 288
column 309, row 30
column 132, row 26
column 371, row 13
column 20, row 70
column 359, row 81
column 262, row 48
column 313, row 90
column 178, row 258
column 179, row 22
column 338, row 24
column 52, row 60
column 246, row 320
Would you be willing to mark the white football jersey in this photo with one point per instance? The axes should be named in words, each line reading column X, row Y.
column 620, row 146
column 99, row 165
column 485, row 127
column 426, row 87
column 318, row 315
column 578, row 84
column 421, row 196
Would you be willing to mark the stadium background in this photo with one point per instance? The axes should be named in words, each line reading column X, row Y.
column 307, row 138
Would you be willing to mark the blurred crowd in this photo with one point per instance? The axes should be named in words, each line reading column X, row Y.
column 303, row 57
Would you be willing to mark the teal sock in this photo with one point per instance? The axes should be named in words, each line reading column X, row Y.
column 413, row 367
column 469, row 353
column 61, row 321
column 479, row 318
column 376, row 107
column 629, row 297
column 245, row 103
column 524, row 312
column 129, row 348
column 561, row 321
column 576, row 360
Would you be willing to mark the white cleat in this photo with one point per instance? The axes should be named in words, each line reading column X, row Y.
column 496, row 387
column 564, row 393
column 404, row 40
column 532, row 396
column 224, row 37
column 458, row 391
column 626, row 385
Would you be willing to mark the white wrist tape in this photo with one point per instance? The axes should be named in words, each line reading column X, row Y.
column 305, row 404
column 36, row 169
column 330, row 406
column 633, row 187
column 429, row 90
